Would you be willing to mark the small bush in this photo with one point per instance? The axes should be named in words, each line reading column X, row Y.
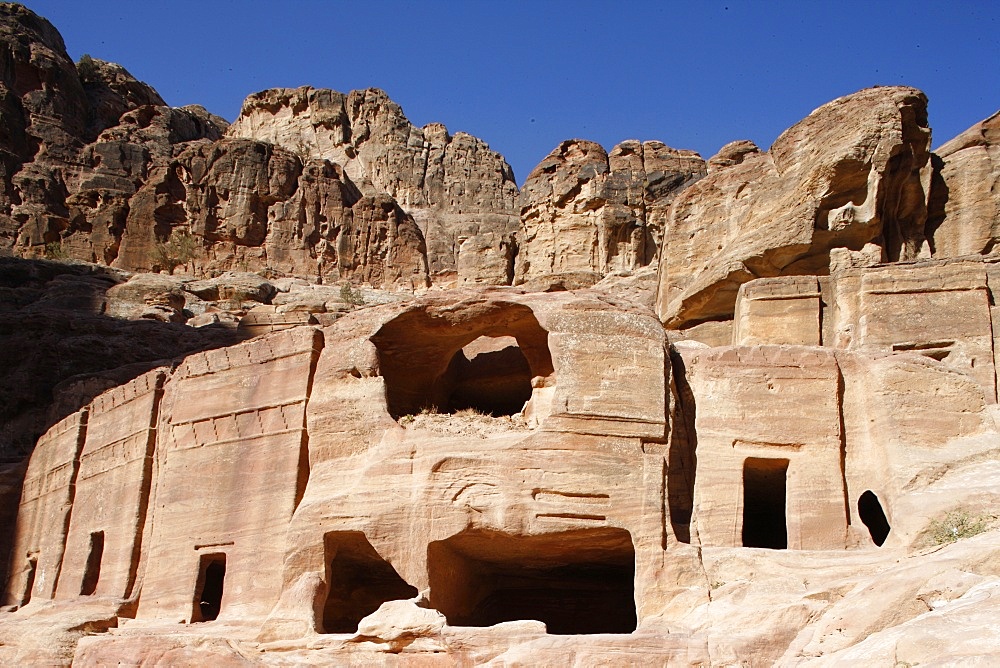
column 87, row 68
column 179, row 249
column 351, row 296
column 956, row 525
column 54, row 251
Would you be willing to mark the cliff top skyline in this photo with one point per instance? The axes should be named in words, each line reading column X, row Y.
column 525, row 76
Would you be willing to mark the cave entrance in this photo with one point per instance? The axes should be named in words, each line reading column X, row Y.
column 490, row 376
column 576, row 582
column 871, row 513
column 485, row 356
column 209, row 588
column 764, row 521
column 92, row 572
column 360, row 581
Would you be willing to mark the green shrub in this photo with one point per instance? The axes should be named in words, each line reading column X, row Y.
column 179, row 249
column 350, row 296
column 956, row 525
column 54, row 251
column 87, row 68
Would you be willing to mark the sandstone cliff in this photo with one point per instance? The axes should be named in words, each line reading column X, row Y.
column 272, row 446
column 461, row 194
column 965, row 195
column 855, row 171
column 583, row 210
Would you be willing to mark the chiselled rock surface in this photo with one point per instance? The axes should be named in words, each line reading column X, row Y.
column 61, row 339
column 965, row 195
column 856, row 170
column 461, row 194
column 583, row 209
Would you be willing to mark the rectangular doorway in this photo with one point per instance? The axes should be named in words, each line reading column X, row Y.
column 764, row 520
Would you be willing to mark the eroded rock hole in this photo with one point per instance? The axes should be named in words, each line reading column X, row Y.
column 871, row 513
column 92, row 572
column 487, row 357
column 360, row 581
column 764, row 521
column 576, row 582
column 490, row 376
column 209, row 589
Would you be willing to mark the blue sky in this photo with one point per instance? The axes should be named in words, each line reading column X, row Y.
column 524, row 76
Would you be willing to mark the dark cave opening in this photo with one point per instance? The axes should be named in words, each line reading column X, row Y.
column 871, row 513
column 360, row 581
column 92, row 573
column 764, row 521
column 576, row 582
column 209, row 588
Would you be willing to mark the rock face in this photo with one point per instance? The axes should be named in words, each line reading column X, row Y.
column 461, row 194
column 613, row 459
column 965, row 195
column 62, row 343
column 289, row 453
column 239, row 204
column 855, row 171
column 583, row 210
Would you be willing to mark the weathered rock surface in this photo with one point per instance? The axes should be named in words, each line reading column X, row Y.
column 239, row 204
column 585, row 210
column 58, row 336
column 278, row 455
column 614, row 461
column 856, row 170
column 461, row 194
column 965, row 194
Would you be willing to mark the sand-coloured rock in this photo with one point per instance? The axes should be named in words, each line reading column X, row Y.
column 801, row 469
column 964, row 215
column 583, row 209
column 856, row 170
column 239, row 204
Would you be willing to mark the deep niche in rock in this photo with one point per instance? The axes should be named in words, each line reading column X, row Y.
column 479, row 355
column 576, row 582
column 871, row 513
column 360, row 580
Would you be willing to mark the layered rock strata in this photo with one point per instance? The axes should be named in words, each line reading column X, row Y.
column 461, row 194
column 603, row 473
column 856, row 171
column 964, row 215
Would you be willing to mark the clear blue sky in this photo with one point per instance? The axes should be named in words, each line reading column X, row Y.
column 523, row 76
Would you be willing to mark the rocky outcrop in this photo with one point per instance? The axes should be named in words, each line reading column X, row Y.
column 240, row 204
column 964, row 215
column 585, row 210
column 571, row 448
column 97, row 168
column 855, row 171
column 81, row 141
column 461, row 194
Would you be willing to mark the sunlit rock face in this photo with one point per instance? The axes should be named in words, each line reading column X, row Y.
column 461, row 194
column 261, row 437
column 855, row 171
column 586, row 211
column 964, row 215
